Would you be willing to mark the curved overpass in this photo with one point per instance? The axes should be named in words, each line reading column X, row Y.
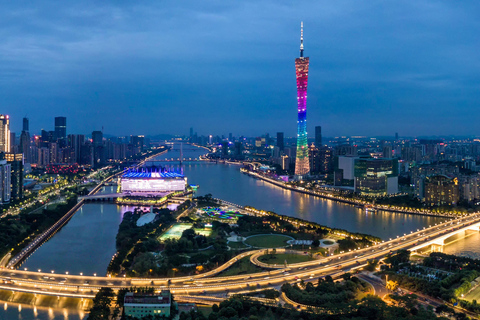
column 86, row 286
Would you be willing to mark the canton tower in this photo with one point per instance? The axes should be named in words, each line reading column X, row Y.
column 302, row 165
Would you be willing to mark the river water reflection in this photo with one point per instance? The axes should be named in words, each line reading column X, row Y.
column 87, row 243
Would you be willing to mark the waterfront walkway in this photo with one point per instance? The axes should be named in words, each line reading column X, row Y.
column 332, row 197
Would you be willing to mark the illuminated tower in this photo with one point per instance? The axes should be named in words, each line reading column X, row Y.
column 4, row 133
column 302, row 165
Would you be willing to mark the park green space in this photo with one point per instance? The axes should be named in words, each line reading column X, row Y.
column 282, row 257
column 242, row 266
column 175, row 232
column 268, row 241
column 473, row 295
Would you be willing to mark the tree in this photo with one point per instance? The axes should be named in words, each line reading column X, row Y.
column 392, row 285
column 101, row 305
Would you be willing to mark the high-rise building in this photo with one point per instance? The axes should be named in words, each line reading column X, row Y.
column 26, row 126
column 25, row 142
column 61, row 131
column 376, row 177
column 280, row 141
column 25, row 146
column 387, row 151
column 5, row 182
column 302, row 165
column 4, row 133
column 15, row 160
column 75, row 142
column 441, row 190
column 318, row 136
column 97, row 138
column 138, row 142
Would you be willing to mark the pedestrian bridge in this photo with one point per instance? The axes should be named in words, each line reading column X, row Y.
column 440, row 240
column 102, row 197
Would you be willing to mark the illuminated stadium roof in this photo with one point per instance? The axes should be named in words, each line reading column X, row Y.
column 152, row 175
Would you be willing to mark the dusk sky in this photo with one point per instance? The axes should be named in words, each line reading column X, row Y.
column 155, row 67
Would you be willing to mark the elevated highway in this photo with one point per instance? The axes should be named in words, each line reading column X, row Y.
column 86, row 286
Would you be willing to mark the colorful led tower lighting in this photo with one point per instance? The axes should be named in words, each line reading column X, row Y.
column 302, row 165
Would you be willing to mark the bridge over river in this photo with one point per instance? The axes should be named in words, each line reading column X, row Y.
column 82, row 286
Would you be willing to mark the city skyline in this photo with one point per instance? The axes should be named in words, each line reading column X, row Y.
column 389, row 73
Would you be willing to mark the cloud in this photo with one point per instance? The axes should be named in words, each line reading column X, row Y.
column 158, row 66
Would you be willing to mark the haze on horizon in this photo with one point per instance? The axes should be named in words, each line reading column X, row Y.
column 156, row 67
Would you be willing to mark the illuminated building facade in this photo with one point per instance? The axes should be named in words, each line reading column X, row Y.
column 302, row 165
column 4, row 133
column 15, row 160
column 376, row 177
column 5, row 181
column 140, row 305
column 441, row 190
column 153, row 181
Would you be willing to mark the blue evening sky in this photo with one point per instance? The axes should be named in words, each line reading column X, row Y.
column 152, row 67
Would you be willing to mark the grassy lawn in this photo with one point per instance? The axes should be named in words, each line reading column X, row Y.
column 237, row 245
column 268, row 241
column 280, row 258
column 314, row 250
column 242, row 266
column 473, row 295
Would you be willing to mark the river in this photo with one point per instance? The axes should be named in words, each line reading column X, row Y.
column 87, row 243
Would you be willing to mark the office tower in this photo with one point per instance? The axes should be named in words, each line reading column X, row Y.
column 230, row 137
column 43, row 156
column 25, row 146
column 280, row 141
column 61, row 131
column 191, row 132
column 4, row 133
column 302, row 165
column 25, row 142
column 376, row 177
column 75, row 142
column 313, row 156
column 326, row 159
column 5, row 179
column 387, row 151
column 318, row 136
column 13, row 142
column 396, row 136
column 26, row 126
column 15, row 160
column 138, row 143
column 225, row 149
column 238, row 149
column 98, row 150
column 97, row 138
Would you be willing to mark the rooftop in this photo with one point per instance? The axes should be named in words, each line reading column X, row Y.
column 142, row 298
column 152, row 175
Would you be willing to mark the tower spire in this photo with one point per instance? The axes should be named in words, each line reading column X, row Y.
column 301, row 40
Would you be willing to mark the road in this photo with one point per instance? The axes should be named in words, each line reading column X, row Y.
column 86, row 286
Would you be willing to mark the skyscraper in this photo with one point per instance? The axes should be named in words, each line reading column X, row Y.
column 25, row 142
column 25, row 125
column 61, row 131
column 318, row 136
column 302, row 165
column 4, row 133
column 280, row 141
